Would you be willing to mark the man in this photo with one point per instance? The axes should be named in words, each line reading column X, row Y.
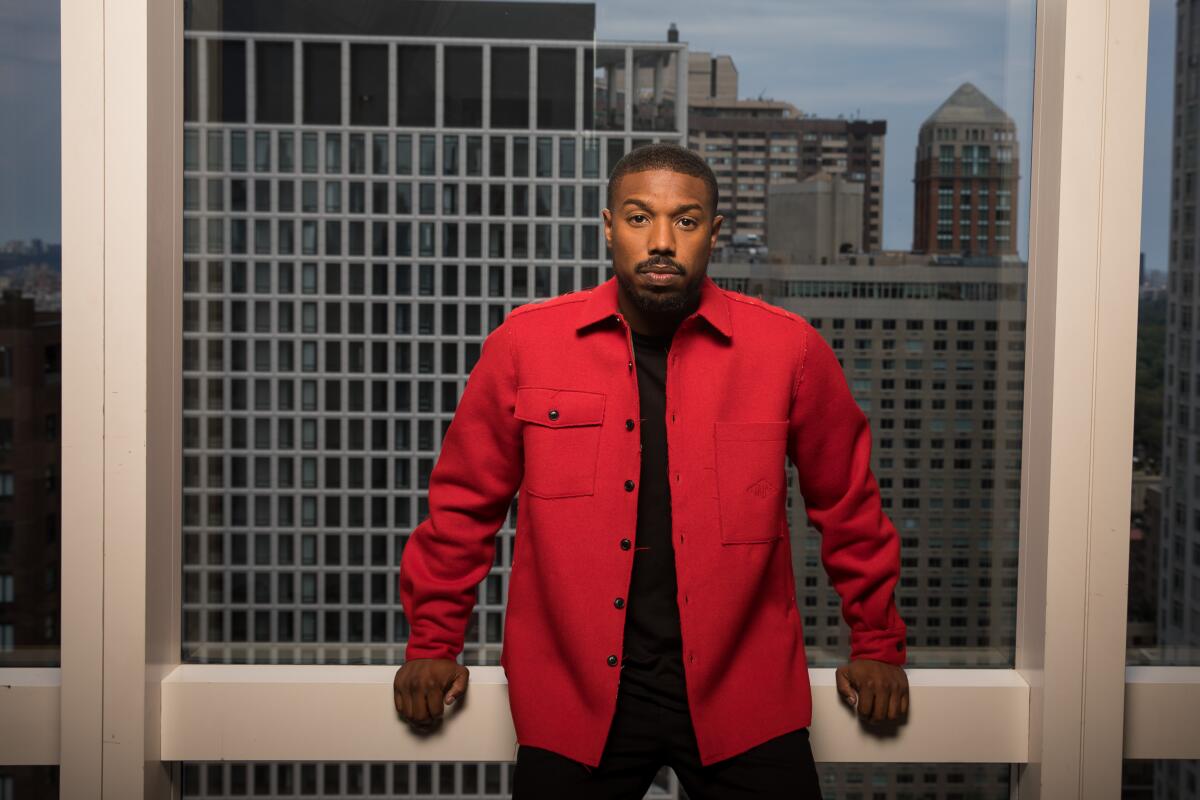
column 651, row 613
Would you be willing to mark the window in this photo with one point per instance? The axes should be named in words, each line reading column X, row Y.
column 322, row 83
column 510, row 87
column 274, row 64
column 463, row 69
column 414, row 85
column 368, row 84
column 556, row 88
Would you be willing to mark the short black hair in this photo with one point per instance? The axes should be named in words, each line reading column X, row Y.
column 668, row 156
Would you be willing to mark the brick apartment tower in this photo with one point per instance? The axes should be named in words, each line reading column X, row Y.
column 966, row 179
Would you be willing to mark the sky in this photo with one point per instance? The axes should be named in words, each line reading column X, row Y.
column 895, row 60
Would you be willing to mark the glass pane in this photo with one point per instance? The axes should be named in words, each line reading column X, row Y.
column 310, row 438
column 1164, row 542
column 492, row 780
column 17, row 783
column 1152, row 780
column 31, row 345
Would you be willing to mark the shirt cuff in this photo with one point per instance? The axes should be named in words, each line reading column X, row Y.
column 887, row 646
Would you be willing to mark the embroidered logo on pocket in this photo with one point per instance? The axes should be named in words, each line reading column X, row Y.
column 762, row 488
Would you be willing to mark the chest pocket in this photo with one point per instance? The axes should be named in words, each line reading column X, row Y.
column 751, row 480
column 562, row 439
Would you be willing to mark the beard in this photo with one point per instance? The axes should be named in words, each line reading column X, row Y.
column 652, row 302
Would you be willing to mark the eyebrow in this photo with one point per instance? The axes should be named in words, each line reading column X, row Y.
column 678, row 209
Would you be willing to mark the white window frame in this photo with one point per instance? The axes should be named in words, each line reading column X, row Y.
column 1063, row 717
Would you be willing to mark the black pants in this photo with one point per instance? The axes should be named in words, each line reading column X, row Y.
column 643, row 738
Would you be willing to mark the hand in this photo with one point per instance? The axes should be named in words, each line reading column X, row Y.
column 423, row 687
column 877, row 690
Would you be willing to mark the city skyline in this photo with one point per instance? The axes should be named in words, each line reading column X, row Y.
column 824, row 38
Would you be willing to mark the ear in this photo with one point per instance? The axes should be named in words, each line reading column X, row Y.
column 608, row 223
column 716, row 230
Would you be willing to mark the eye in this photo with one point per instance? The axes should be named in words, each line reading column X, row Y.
column 687, row 222
column 637, row 218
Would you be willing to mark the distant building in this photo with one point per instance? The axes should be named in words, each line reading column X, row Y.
column 815, row 219
column 753, row 144
column 711, row 77
column 966, row 178
column 1179, row 544
column 30, row 468
column 1144, row 534
column 933, row 352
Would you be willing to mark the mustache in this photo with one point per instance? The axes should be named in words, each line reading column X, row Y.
column 659, row 261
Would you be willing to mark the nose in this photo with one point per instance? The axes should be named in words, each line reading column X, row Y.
column 662, row 238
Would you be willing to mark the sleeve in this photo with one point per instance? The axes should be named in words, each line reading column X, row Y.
column 471, row 488
column 829, row 442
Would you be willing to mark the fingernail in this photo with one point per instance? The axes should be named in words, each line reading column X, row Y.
column 450, row 700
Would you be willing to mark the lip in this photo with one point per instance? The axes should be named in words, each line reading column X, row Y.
column 659, row 277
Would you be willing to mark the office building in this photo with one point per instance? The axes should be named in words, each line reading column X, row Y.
column 366, row 196
column 753, row 144
column 966, row 178
column 934, row 355
column 30, row 521
column 1179, row 545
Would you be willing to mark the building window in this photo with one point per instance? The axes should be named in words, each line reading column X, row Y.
column 463, row 87
column 414, row 87
column 368, row 84
column 510, row 87
column 322, row 83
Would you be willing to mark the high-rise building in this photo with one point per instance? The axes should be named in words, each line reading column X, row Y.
column 934, row 355
column 1179, row 544
column 30, row 399
column 967, row 170
column 754, row 144
column 366, row 196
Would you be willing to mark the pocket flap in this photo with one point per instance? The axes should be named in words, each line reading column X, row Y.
column 559, row 408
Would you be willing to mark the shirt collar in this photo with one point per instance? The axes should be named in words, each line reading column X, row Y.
column 602, row 304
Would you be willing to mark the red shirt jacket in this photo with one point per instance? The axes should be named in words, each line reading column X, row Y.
column 551, row 408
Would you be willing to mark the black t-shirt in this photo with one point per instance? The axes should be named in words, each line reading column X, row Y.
column 652, row 667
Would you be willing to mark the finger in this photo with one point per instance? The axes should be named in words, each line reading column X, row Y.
column 904, row 702
column 882, row 698
column 420, row 711
column 457, row 687
column 866, row 700
column 893, row 710
column 434, row 701
column 844, row 687
column 403, row 701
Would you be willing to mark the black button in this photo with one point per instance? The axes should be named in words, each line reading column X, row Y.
column 553, row 413
column 619, row 602
column 629, row 486
column 631, row 365
column 628, row 424
column 899, row 645
column 626, row 544
column 612, row 661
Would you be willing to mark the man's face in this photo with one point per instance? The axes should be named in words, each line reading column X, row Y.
column 661, row 232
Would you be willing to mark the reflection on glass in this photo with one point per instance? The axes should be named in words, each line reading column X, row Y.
column 609, row 90
column 655, row 90
column 31, row 354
